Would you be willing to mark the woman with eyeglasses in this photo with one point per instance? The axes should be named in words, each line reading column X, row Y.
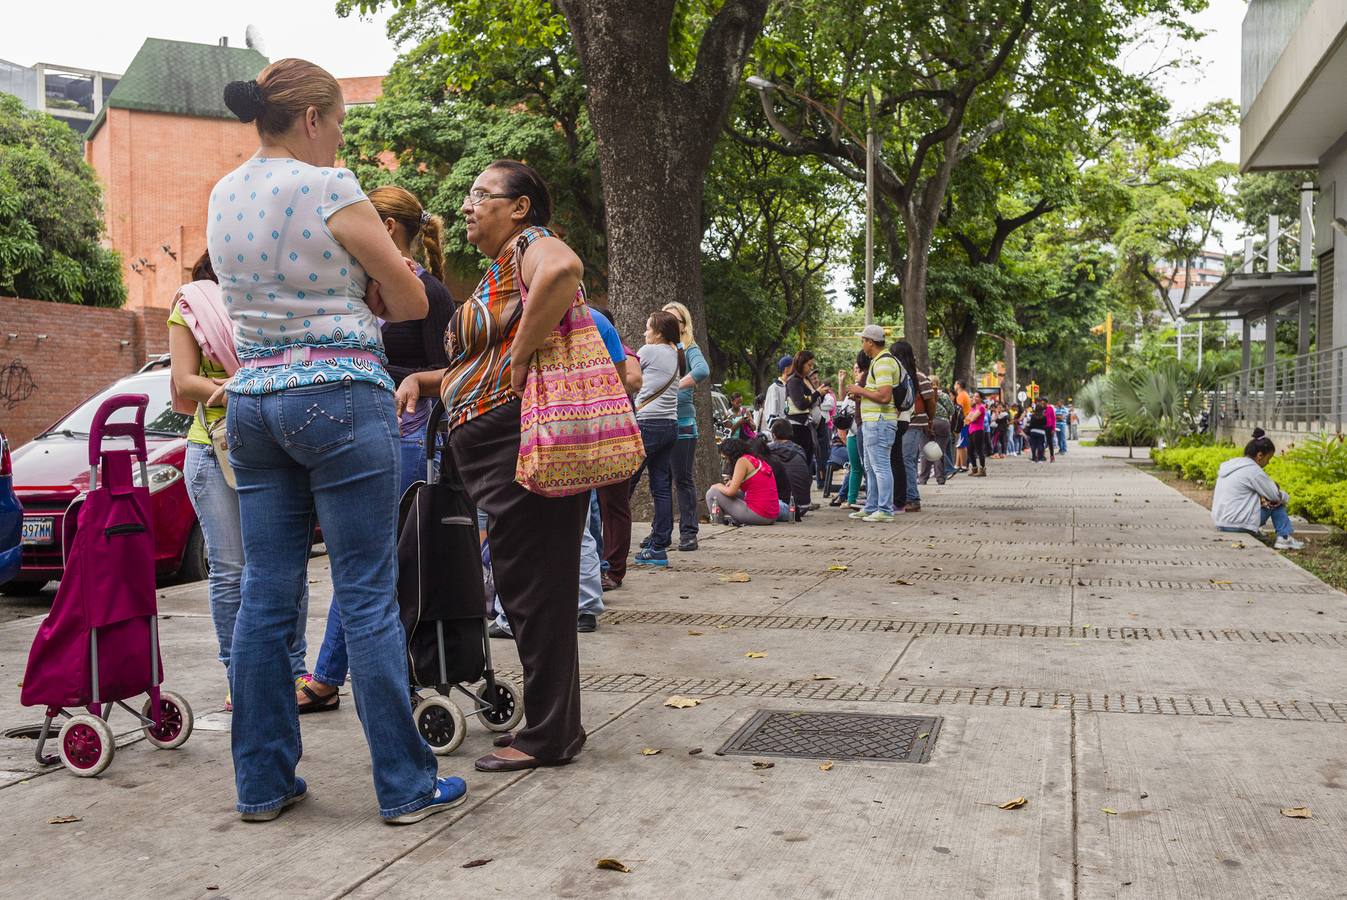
column 535, row 541
column 685, row 447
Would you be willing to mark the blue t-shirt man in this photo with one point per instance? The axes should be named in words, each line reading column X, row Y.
column 611, row 340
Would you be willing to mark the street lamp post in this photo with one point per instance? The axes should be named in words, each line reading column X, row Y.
column 765, row 88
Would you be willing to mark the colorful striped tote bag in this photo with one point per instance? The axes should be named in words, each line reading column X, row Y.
column 576, row 426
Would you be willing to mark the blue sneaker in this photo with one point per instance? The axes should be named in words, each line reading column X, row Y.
column 301, row 791
column 651, row 557
column 449, row 792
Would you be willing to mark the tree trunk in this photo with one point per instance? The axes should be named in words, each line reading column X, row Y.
column 965, row 352
column 655, row 137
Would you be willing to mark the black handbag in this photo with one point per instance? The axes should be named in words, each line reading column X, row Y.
column 440, row 590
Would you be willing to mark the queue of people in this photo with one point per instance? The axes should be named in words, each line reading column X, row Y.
column 310, row 346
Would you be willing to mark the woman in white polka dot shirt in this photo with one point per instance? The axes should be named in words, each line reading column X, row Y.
column 305, row 267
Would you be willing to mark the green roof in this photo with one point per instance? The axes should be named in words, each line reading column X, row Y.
column 181, row 78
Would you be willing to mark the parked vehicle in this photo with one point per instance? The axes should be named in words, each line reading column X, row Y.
column 51, row 479
column 11, row 518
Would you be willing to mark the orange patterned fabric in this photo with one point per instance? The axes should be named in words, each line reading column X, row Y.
column 480, row 337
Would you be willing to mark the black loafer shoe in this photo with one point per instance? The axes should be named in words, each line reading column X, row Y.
column 586, row 623
column 687, row 544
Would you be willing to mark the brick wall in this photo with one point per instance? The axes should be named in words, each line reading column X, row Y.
column 157, row 171
column 43, row 378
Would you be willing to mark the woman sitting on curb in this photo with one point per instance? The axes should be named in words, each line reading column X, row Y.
column 1245, row 497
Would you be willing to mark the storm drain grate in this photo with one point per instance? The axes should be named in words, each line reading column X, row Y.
column 819, row 735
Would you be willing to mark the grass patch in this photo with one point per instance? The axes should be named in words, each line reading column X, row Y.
column 1323, row 557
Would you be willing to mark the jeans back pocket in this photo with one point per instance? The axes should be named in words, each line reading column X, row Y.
column 317, row 417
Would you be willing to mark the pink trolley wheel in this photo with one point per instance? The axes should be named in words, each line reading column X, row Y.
column 86, row 745
column 176, row 721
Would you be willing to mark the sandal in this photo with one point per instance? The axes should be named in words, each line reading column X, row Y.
column 315, row 702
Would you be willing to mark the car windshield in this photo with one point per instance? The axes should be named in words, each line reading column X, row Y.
column 159, row 415
column 721, row 406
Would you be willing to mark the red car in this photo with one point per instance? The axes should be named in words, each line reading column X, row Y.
column 51, row 476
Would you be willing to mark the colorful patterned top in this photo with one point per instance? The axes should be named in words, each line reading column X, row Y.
column 285, row 279
column 480, row 337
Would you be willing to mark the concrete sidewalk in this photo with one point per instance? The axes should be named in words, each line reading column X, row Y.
column 1155, row 691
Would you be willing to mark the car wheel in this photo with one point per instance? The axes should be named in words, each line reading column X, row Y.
column 194, row 566
column 17, row 588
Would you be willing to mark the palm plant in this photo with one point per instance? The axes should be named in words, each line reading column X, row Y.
column 1163, row 401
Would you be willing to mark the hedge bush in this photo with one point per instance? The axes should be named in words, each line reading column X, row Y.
column 1305, row 473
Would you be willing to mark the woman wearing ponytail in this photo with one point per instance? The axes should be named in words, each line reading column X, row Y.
column 1246, row 497
column 414, row 345
column 308, row 273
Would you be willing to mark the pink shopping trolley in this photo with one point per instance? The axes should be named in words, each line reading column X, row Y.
column 99, row 647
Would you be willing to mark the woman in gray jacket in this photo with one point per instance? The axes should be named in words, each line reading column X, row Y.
column 1245, row 497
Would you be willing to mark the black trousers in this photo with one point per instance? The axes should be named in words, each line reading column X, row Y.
column 899, row 467
column 977, row 449
column 535, row 557
column 804, row 436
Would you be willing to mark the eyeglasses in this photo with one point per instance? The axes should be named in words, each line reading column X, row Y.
column 476, row 197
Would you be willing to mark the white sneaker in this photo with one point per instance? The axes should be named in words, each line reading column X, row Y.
column 1289, row 543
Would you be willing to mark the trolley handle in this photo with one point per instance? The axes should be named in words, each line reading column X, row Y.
column 101, row 429
column 435, row 425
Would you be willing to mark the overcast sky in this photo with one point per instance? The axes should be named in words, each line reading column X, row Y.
column 106, row 34
column 359, row 46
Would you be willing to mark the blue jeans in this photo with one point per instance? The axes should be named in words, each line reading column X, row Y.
column 659, row 436
column 330, row 669
column 1061, row 437
column 330, row 449
column 913, row 440
column 1281, row 522
column 217, row 511
column 949, row 454
column 879, row 437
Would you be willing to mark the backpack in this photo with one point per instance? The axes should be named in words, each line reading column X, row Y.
column 903, row 392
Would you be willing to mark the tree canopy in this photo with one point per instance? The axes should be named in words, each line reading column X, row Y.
column 51, row 214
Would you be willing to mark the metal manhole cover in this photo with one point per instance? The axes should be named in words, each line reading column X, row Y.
column 860, row 736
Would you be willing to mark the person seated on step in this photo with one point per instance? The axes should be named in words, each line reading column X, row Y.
column 791, row 466
column 1246, row 497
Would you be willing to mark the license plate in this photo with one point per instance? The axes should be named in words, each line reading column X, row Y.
column 38, row 531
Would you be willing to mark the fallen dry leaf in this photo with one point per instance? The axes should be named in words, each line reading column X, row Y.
column 613, row 865
column 678, row 702
column 1218, row 581
column 924, row 734
column 901, row 581
column 837, row 568
column 1013, row 804
column 737, row 578
column 474, row 863
column 1298, row 812
column 817, row 677
column 763, row 764
column 64, row 820
column 694, row 751
column 755, row 654
column 1108, row 812
column 650, row 751
column 826, row 767
column 694, row 634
